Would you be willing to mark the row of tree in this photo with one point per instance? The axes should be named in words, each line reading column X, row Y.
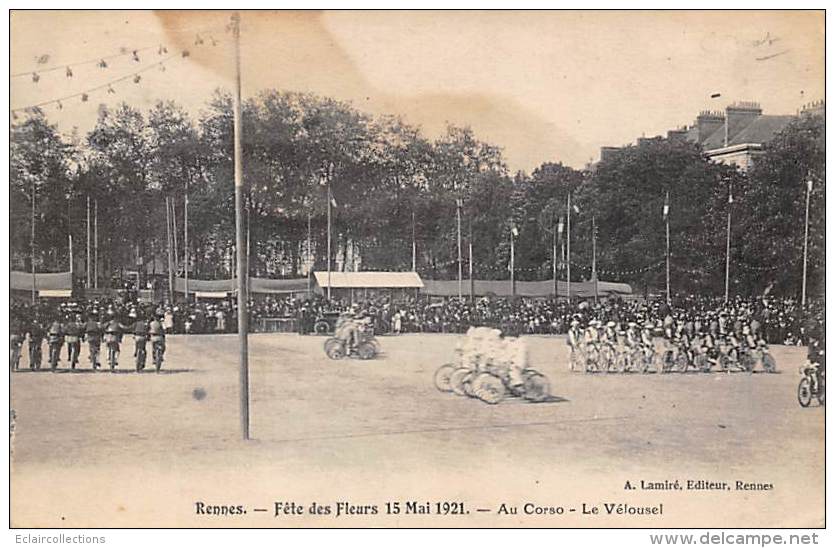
column 391, row 185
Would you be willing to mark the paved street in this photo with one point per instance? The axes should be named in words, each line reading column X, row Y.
column 126, row 449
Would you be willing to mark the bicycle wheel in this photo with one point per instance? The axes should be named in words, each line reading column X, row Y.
column 366, row 351
column 537, row 388
column 442, row 376
column 804, row 392
column 335, row 349
column 769, row 363
column 822, row 391
column 456, row 380
column 488, row 388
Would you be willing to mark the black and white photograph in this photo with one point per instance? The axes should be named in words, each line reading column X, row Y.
column 416, row 269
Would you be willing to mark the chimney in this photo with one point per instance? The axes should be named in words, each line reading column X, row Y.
column 606, row 153
column 738, row 116
column 708, row 122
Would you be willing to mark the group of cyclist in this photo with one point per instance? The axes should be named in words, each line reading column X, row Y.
column 631, row 347
column 74, row 330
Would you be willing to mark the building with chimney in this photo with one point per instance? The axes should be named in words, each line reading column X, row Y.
column 735, row 136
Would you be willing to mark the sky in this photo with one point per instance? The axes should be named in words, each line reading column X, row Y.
column 544, row 86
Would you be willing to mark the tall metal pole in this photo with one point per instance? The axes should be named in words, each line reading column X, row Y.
column 414, row 244
column 168, row 205
column 330, row 199
column 89, row 256
column 568, row 249
column 728, row 248
column 32, row 258
column 470, row 242
column 556, row 295
column 667, row 218
column 512, row 264
column 594, row 256
column 240, row 237
column 185, row 241
column 460, row 267
column 806, row 241
column 96, row 244
column 309, row 266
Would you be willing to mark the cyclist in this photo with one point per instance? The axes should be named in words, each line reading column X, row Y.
column 140, row 338
column 16, row 336
column 632, row 342
column 113, row 338
column 591, row 341
column 575, row 342
column 647, row 344
column 36, row 334
column 73, row 333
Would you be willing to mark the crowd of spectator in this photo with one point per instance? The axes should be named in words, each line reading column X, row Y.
column 783, row 321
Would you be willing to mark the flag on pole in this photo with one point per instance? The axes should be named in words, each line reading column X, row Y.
column 560, row 227
column 666, row 206
column 514, row 231
column 576, row 209
column 330, row 196
column 730, row 196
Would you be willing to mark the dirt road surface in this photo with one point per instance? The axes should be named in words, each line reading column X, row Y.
column 145, row 450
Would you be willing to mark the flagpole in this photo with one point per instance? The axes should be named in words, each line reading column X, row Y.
column 667, row 219
column 460, row 267
column 243, row 313
column 472, row 283
column 89, row 257
column 185, row 240
column 96, row 244
column 34, row 278
column 568, row 249
column 309, row 265
column 414, row 244
column 554, row 265
column 728, row 246
column 594, row 255
column 806, row 241
column 512, row 265
column 330, row 198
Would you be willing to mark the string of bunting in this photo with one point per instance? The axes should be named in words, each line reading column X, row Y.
column 135, row 76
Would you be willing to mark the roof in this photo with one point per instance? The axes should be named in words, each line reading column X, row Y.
column 501, row 288
column 256, row 285
column 22, row 281
column 762, row 130
column 369, row 279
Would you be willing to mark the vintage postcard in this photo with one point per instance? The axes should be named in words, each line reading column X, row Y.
column 417, row 269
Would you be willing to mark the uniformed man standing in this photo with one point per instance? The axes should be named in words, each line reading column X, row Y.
column 93, row 333
column 55, row 340
column 73, row 333
column 36, row 334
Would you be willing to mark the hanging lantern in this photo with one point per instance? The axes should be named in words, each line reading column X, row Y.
column 103, row 64
column 84, row 97
column 69, row 72
column 161, row 67
column 198, row 41
column 60, row 106
column 185, row 53
column 162, row 49
column 136, row 79
column 110, row 89
column 214, row 42
column 35, row 77
column 135, row 56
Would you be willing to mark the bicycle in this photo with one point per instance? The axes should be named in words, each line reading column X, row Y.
column 140, row 352
column 809, row 386
column 158, row 351
column 112, row 342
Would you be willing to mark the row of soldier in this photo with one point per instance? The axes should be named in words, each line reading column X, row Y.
column 75, row 329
